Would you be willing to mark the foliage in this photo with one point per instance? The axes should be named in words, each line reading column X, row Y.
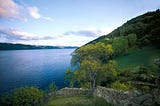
column 23, row 96
column 121, row 86
column 92, row 73
column 132, row 38
column 69, row 77
column 99, row 52
column 89, row 72
column 90, row 59
column 127, row 45
column 110, row 73
column 51, row 88
column 146, row 24
column 144, row 89
column 120, row 45
column 142, row 73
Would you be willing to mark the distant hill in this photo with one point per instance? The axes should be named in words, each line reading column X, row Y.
column 10, row 46
column 146, row 27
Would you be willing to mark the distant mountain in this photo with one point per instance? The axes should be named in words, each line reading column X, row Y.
column 10, row 46
column 146, row 27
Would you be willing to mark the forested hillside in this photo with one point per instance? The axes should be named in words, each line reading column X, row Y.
column 127, row 58
column 146, row 27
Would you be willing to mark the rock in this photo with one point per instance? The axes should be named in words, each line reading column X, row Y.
column 156, row 96
column 144, row 100
column 148, row 102
column 137, row 93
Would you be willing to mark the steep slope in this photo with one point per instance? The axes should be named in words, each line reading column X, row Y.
column 136, row 50
column 146, row 27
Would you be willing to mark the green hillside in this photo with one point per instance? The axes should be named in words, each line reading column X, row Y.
column 138, row 57
column 129, row 54
column 146, row 27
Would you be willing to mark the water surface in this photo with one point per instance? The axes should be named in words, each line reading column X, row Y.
column 33, row 67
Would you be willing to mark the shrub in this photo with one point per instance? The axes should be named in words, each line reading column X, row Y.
column 52, row 87
column 121, row 86
column 23, row 96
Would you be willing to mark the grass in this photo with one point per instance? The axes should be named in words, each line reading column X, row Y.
column 138, row 57
column 75, row 101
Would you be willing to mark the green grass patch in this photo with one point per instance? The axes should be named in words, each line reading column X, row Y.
column 75, row 101
column 137, row 57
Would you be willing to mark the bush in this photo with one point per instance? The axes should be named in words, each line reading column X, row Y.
column 121, row 86
column 144, row 89
column 51, row 88
column 23, row 96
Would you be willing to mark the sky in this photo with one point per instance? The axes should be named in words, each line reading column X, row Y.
column 66, row 22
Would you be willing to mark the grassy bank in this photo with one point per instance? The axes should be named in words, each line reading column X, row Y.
column 138, row 57
column 75, row 101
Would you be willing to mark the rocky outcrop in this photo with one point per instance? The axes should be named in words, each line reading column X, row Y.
column 143, row 100
column 115, row 97
column 128, row 98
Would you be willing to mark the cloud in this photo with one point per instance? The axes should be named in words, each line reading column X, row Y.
column 47, row 18
column 17, row 36
column 13, row 34
column 89, row 32
column 33, row 12
column 10, row 9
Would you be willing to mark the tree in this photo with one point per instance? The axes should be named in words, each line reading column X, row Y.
column 51, row 88
column 91, row 70
column 69, row 77
column 120, row 45
column 99, row 51
column 109, row 73
column 23, row 96
column 90, row 59
column 132, row 38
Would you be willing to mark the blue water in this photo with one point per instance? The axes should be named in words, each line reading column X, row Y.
column 33, row 68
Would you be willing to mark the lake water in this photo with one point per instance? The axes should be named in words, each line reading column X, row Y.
column 33, row 67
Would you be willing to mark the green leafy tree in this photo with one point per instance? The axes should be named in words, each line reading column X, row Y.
column 90, row 69
column 23, row 96
column 98, row 51
column 120, row 45
column 93, row 73
column 132, row 38
column 109, row 73
column 52, row 87
column 121, row 86
column 69, row 77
